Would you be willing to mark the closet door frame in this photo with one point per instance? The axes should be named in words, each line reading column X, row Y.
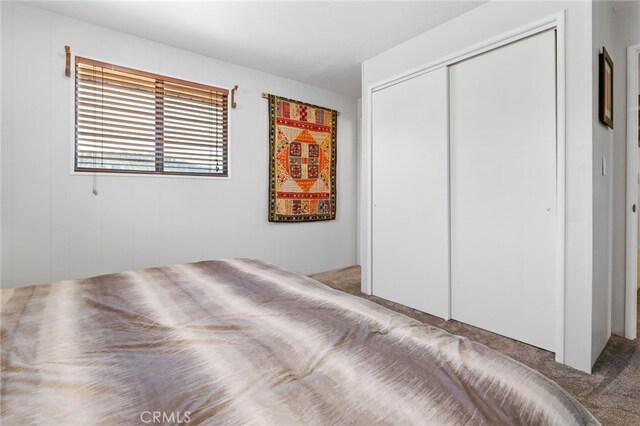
column 557, row 22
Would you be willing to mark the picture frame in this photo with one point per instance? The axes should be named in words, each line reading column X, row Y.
column 606, row 88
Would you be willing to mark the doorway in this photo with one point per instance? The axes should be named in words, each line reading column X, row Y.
column 632, row 283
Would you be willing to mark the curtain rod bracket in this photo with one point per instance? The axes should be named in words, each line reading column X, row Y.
column 233, row 96
column 67, row 69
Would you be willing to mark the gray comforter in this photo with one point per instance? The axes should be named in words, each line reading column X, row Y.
column 244, row 342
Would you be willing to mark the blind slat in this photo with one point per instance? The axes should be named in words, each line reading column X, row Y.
column 95, row 162
column 144, row 108
column 92, row 106
column 132, row 83
column 116, row 132
column 169, row 172
column 180, row 146
column 151, row 156
column 217, row 100
column 126, row 99
column 144, row 87
column 117, row 68
column 88, row 157
column 111, row 116
column 148, row 147
column 101, row 152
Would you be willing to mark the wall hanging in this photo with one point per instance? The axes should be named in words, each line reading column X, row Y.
column 302, row 161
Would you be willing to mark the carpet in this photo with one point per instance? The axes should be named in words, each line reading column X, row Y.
column 611, row 393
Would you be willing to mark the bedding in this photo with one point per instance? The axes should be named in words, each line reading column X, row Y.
column 244, row 342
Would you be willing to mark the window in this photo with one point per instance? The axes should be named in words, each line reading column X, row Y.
column 129, row 121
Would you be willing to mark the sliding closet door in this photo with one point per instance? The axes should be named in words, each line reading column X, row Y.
column 503, row 190
column 410, row 202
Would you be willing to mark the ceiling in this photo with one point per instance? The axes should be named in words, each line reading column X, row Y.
column 318, row 43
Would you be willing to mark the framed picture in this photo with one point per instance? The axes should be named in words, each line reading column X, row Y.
column 606, row 88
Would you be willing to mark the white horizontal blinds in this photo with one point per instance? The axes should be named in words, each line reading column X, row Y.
column 130, row 121
column 195, row 127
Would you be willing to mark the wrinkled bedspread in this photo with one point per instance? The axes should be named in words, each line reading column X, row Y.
column 245, row 342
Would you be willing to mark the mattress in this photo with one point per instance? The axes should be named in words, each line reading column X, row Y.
column 245, row 342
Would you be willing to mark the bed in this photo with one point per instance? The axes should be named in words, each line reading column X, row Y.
column 245, row 342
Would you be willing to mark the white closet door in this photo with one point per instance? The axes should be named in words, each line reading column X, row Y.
column 503, row 190
column 410, row 193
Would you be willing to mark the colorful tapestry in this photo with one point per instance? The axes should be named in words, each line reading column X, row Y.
column 302, row 166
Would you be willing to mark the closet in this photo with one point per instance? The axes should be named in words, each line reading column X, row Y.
column 464, row 191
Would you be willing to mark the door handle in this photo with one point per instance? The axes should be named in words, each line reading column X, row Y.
column 633, row 208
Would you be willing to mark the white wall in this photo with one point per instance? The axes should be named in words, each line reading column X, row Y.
column 1, row 108
column 483, row 23
column 54, row 228
column 603, row 35
column 626, row 32
column 358, row 154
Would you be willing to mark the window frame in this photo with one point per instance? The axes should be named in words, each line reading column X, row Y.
column 140, row 174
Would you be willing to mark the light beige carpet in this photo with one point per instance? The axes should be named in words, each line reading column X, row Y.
column 611, row 393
